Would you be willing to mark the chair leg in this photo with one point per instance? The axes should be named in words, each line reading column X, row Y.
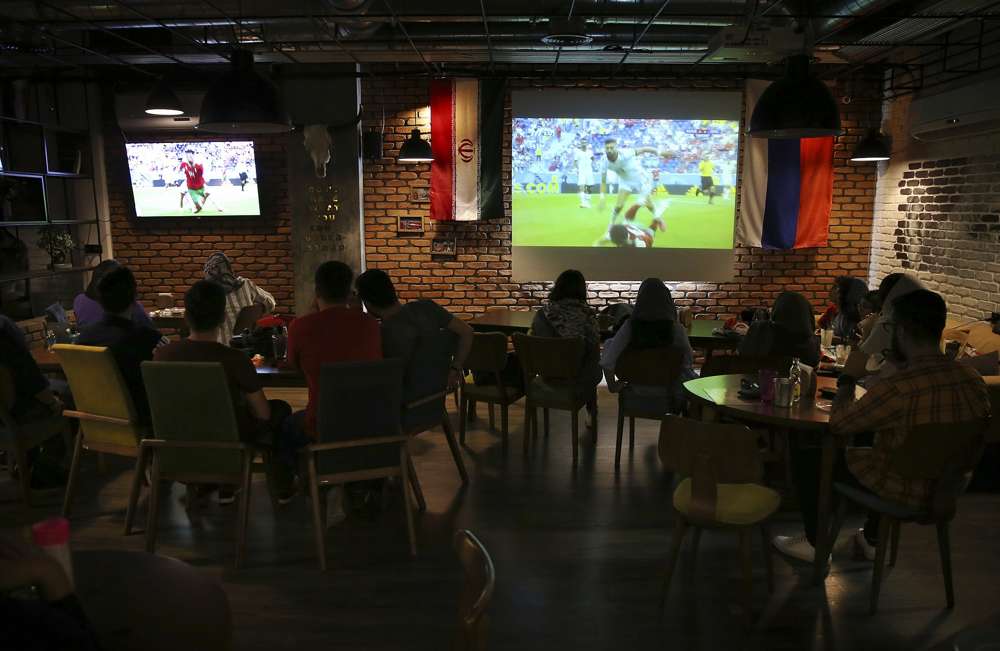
column 944, row 548
column 319, row 530
column 504, row 423
column 74, row 472
column 529, row 419
column 894, row 541
column 884, row 526
column 621, row 431
column 575, row 418
column 456, row 451
column 133, row 494
column 838, row 523
column 747, row 563
column 462, row 418
column 680, row 528
column 545, row 416
column 243, row 513
column 415, row 482
column 493, row 420
column 631, row 432
column 592, row 404
column 765, row 539
column 153, row 510
column 404, row 468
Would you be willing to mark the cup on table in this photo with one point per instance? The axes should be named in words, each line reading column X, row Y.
column 782, row 392
column 843, row 351
column 826, row 338
column 765, row 380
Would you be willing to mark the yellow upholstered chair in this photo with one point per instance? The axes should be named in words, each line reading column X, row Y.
column 108, row 422
column 477, row 592
column 721, row 469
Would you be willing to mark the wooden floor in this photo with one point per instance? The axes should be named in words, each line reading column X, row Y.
column 578, row 558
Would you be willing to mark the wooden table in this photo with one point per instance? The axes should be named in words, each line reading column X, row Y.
column 702, row 336
column 137, row 600
column 719, row 393
column 173, row 322
column 503, row 320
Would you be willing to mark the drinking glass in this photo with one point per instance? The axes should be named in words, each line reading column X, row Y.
column 843, row 352
column 826, row 338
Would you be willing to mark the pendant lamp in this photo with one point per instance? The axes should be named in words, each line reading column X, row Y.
column 416, row 149
column 799, row 105
column 873, row 147
column 162, row 101
column 243, row 101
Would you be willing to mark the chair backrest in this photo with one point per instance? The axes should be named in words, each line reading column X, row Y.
column 248, row 317
column 488, row 353
column 477, row 592
column 191, row 401
column 557, row 359
column 658, row 367
column 425, row 379
column 359, row 400
column 98, row 389
column 710, row 454
column 744, row 364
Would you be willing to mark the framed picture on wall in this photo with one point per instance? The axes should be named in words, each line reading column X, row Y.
column 444, row 246
column 420, row 195
column 406, row 225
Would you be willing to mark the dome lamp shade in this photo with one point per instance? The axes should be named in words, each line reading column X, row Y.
column 873, row 147
column 799, row 105
column 243, row 101
column 163, row 101
column 416, row 149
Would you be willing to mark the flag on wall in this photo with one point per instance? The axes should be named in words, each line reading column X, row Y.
column 466, row 134
column 787, row 190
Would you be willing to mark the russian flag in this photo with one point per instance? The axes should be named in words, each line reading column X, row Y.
column 787, row 191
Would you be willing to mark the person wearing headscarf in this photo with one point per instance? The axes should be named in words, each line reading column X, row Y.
column 789, row 332
column 87, row 308
column 843, row 316
column 653, row 324
column 240, row 292
column 879, row 340
column 567, row 314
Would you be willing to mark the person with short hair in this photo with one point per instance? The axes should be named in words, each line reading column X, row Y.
column 258, row 418
column 130, row 343
column 87, row 308
column 240, row 292
column 927, row 388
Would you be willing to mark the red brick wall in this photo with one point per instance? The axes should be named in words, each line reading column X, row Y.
column 480, row 275
column 169, row 257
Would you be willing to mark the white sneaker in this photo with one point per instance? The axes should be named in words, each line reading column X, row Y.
column 867, row 550
column 797, row 547
column 335, row 507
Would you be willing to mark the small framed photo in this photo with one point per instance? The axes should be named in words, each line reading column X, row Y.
column 447, row 246
column 420, row 195
column 408, row 225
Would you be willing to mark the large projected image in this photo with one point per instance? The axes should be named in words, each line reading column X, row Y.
column 613, row 182
column 193, row 179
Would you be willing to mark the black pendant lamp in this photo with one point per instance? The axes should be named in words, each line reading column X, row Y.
column 162, row 101
column 873, row 147
column 416, row 149
column 243, row 101
column 798, row 105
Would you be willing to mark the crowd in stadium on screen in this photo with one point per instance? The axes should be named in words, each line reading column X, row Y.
column 158, row 164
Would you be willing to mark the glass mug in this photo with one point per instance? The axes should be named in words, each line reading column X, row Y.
column 826, row 338
column 843, row 352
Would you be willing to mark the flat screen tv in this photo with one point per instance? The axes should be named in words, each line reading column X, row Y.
column 193, row 180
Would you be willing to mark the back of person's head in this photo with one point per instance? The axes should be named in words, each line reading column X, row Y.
column 886, row 286
column 921, row 315
column 794, row 314
column 100, row 271
column 116, row 290
column 570, row 284
column 375, row 288
column 205, row 306
column 333, row 281
column 618, row 234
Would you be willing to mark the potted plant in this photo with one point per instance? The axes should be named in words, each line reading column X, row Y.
column 58, row 243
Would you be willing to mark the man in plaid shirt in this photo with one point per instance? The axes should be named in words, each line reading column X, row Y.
column 928, row 388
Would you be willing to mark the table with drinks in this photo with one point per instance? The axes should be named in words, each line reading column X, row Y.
column 733, row 397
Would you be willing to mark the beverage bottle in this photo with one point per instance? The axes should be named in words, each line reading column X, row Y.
column 795, row 376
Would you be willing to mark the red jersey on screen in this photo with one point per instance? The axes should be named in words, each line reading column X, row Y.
column 336, row 334
column 195, row 175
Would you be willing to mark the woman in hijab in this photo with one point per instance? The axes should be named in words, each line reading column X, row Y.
column 790, row 331
column 240, row 292
column 653, row 324
column 88, row 310
column 567, row 314
column 879, row 341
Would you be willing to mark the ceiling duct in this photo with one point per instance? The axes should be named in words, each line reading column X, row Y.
column 354, row 10
column 567, row 32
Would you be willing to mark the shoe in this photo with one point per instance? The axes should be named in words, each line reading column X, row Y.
column 797, row 547
column 862, row 545
column 226, row 495
column 335, row 513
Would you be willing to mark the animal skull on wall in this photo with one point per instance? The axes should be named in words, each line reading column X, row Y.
column 316, row 138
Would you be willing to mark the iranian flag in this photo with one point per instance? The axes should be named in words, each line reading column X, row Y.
column 466, row 133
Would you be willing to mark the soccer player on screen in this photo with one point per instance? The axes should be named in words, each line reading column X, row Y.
column 632, row 179
column 194, row 174
column 707, row 169
column 630, row 235
column 583, row 159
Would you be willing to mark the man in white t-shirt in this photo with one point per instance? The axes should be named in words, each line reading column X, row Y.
column 584, row 161
column 632, row 178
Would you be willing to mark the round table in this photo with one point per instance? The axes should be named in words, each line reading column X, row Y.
column 720, row 394
column 136, row 600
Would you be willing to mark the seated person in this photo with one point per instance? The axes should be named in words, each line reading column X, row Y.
column 928, row 388
column 259, row 420
column 87, row 308
column 653, row 324
column 240, row 292
column 130, row 343
column 13, row 332
column 567, row 314
column 403, row 325
column 789, row 332
column 843, row 315
column 878, row 338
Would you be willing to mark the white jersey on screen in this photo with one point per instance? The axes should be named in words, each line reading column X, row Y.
column 631, row 174
column 584, row 167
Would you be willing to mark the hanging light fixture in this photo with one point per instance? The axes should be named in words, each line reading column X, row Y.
column 416, row 149
column 162, row 100
column 873, row 147
column 243, row 101
column 799, row 105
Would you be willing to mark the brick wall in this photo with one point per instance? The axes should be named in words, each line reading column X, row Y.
column 937, row 216
column 169, row 257
column 480, row 274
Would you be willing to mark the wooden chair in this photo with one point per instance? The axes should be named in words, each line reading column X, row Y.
column 197, row 439
column 359, row 437
column 944, row 455
column 488, row 355
column 655, row 367
column 16, row 439
column 108, row 422
column 722, row 469
column 425, row 391
column 551, row 366
column 744, row 364
column 477, row 592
